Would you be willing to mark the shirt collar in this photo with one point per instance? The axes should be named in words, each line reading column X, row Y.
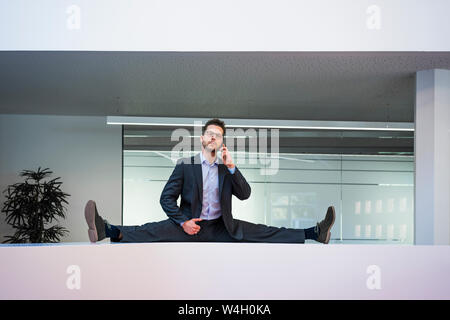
column 203, row 159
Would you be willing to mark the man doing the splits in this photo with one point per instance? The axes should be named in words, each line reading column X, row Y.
column 206, row 185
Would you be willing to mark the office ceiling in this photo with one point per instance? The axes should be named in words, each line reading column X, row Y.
column 346, row 86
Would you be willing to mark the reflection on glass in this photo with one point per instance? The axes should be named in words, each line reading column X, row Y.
column 368, row 230
column 379, row 206
column 368, row 206
column 358, row 231
column 379, row 231
column 357, row 207
column 390, row 231
column 390, row 205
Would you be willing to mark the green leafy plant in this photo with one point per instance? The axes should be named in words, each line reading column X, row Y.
column 33, row 204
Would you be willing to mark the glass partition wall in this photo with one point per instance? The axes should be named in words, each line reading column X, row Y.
column 294, row 175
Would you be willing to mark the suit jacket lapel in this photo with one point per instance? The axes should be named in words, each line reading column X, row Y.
column 198, row 176
column 222, row 172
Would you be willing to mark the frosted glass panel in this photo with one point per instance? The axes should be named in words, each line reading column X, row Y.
column 378, row 213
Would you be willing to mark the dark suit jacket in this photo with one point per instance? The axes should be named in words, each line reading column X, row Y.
column 187, row 181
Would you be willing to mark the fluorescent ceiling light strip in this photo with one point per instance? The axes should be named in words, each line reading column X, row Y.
column 396, row 185
column 265, row 124
column 334, row 155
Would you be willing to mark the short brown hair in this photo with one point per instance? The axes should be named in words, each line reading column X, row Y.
column 216, row 122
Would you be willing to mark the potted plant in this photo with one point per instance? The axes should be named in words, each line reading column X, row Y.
column 33, row 204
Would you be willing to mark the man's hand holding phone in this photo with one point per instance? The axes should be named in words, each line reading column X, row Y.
column 226, row 157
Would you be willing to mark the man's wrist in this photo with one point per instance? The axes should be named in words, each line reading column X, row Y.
column 232, row 169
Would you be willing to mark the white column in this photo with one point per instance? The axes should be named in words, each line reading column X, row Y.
column 432, row 157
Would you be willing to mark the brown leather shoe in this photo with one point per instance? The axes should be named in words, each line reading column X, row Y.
column 325, row 225
column 95, row 223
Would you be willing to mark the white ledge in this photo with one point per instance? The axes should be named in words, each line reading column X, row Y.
column 237, row 271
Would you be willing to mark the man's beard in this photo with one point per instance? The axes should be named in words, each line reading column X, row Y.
column 209, row 148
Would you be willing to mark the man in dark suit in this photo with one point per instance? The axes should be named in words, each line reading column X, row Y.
column 206, row 185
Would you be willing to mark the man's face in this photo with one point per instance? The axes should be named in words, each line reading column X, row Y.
column 212, row 138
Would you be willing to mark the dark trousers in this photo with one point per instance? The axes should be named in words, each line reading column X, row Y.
column 210, row 231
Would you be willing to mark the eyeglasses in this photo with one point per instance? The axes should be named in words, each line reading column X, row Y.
column 211, row 133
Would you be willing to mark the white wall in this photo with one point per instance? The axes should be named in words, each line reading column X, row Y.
column 228, row 271
column 204, row 25
column 84, row 151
